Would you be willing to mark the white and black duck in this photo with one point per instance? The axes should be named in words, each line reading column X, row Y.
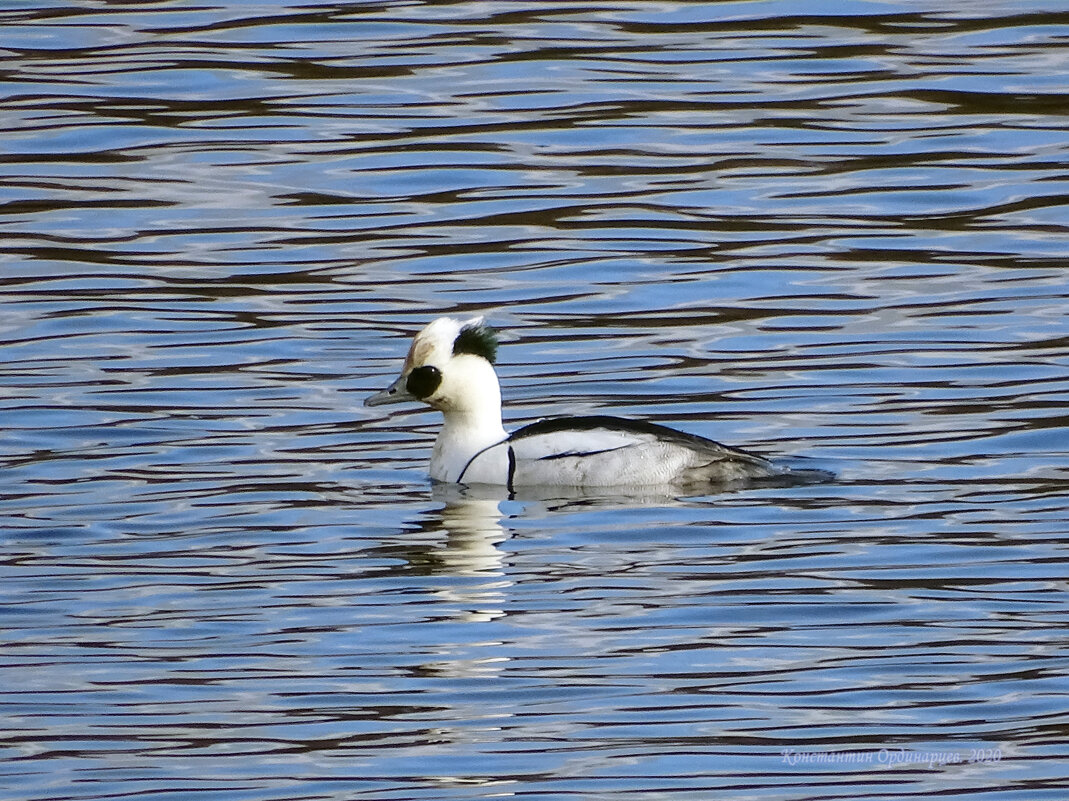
column 450, row 368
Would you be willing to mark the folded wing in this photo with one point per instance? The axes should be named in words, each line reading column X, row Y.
column 612, row 451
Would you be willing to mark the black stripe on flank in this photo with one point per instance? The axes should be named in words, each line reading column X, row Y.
column 570, row 454
column 595, row 422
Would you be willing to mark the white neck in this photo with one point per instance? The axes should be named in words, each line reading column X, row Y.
column 470, row 400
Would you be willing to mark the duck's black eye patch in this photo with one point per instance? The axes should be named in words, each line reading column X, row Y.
column 479, row 340
column 423, row 381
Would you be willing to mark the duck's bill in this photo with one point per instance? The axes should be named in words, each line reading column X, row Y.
column 395, row 393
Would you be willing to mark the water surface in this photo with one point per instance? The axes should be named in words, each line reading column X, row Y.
column 830, row 234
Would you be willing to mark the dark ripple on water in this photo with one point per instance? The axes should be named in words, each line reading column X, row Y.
column 834, row 236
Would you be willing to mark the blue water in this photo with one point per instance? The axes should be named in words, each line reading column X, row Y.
column 834, row 234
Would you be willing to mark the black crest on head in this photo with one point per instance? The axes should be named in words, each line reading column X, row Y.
column 477, row 339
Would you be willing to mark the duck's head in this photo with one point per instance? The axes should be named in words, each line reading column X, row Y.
column 449, row 367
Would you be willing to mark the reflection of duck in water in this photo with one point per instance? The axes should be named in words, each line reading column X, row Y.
column 472, row 525
column 450, row 368
column 474, row 531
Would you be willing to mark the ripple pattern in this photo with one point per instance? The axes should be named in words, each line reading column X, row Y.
column 836, row 235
